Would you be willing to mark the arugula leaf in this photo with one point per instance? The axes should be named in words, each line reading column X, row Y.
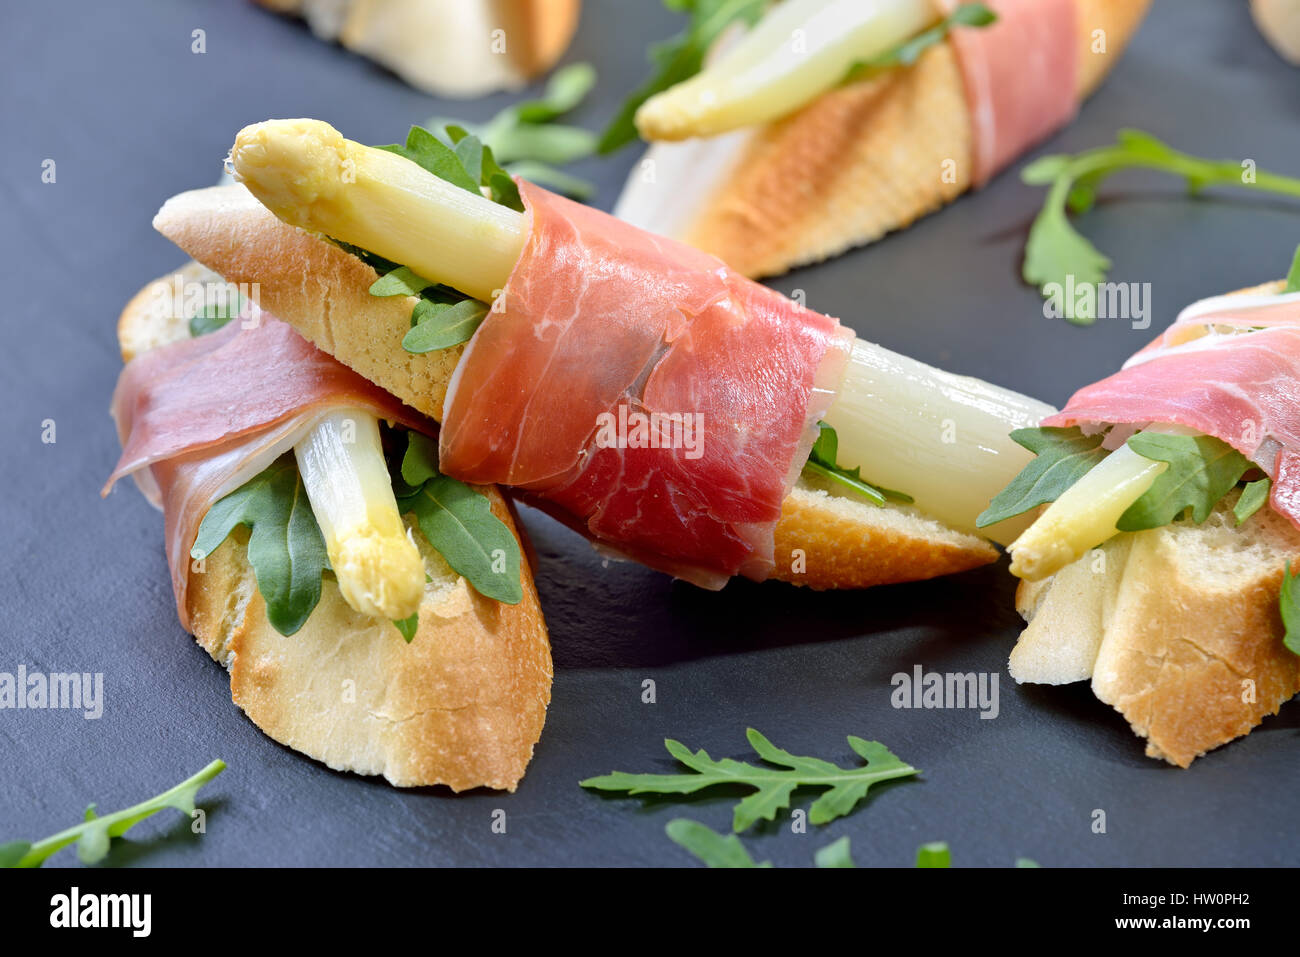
column 1026, row 862
column 1056, row 251
column 95, row 834
column 714, row 849
column 1062, row 457
column 934, row 854
column 836, row 854
column 1293, row 276
column 1289, row 605
column 525, row 139
column 401, row 281
column 408, row 627
column 214, row 316
column 909, row 51
column 678, row 58
column 1253, row 498
column 822, row 461
column 429, row 152
column 1202, row 470
column 772, row 787
column 437, row 325
column 459, row 524
column 285, row 547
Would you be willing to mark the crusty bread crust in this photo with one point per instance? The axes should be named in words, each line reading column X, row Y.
column 825, row 539
column 535, row 34
column 462, row 705
column 869, row 158
column 322, row 292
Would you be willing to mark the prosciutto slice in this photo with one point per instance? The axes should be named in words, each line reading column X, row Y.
column 603, row 327
column 1020, row 77
column 199, row 417
column 1228, row 367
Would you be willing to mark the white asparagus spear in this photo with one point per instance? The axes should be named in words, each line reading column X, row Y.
column 378, row 567
column 798, row 51
column 938, row 437
column 1085, row 514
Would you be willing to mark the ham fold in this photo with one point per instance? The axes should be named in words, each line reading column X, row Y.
column 200, row 417
column 1228, row 367
column 644, row 392
column 1020, row 75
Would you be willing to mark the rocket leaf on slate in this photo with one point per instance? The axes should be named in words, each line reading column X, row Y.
column 773, row 786
column 95, row 834
column 1061, row 458
column 285, row 546
column 714, row 849
column 1202, row 470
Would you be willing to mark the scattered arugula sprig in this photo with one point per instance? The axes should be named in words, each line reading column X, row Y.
column 909, row 51
column 773, row 786
column 718, row 850
column 95, row 834
column 1293, row 276
column 528, row 142
column 678, row 58
column 822, row 461
column 1056, row 251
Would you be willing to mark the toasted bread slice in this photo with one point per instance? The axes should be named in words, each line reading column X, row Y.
column 1178, row 628
column 447, row 47
column 858, row 162
column 462, row 705
column 825, row 539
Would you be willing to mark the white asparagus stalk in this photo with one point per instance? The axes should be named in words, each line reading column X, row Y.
column 798, row 51
column 378, row 567
column 941, row 438
column 1085, row 514
column 938, row 437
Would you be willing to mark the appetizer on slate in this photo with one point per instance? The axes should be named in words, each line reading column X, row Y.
column 832, row 122
column 666, row 407
column 372, row 613
column 447, row 47
column 1160, row 570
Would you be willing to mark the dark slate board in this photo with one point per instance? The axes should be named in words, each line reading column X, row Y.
column 114, row 95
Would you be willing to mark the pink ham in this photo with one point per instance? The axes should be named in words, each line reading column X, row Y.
column 1241, row 388
column 200, row 417
column 602, row 319
column 1020, row 76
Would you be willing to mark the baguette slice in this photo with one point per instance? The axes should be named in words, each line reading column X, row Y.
column 856, row 163
column 459, row 48
column 462, row 705
column 1177, row 627
column 825, row 539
